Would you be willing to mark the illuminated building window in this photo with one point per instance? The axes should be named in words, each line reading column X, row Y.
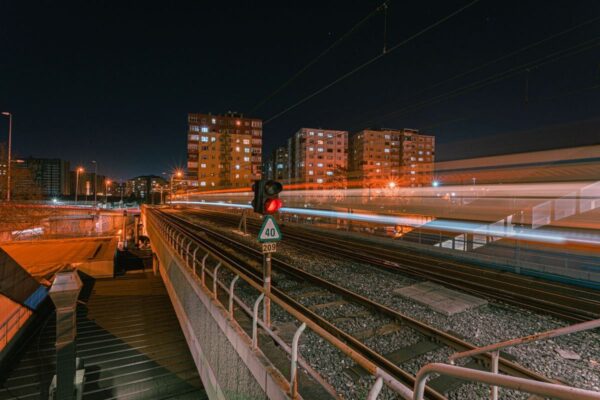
column 204, row 129
column 246, row 159
column 202, row 183
column 237, row 176
column 412, row 172
column 330, row 173
column 420, row 152
column 386, row 150
column 194, row 137
column 320, row 165
column 204, row 138
column 320, row 180
column 246, row 141
column 319, row 141
column 237, row 166
column 237, row 149
column 311, row 133
column 202, row 165
column 320, row 149
column 311, row 149
column 420, row 158
column 320, row 134
column 214, row 121
column 330, row 135
column 311, row 172
column 238, row 123
column 246, row 149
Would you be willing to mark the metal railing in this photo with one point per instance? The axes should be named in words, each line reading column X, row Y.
column 188, row 249
column 12, row 324
column 494, row 349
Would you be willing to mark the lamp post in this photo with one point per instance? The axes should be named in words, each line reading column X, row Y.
column 107, row 182
column 178, row 174
column 95, row 182
column 9, row 115
column 78, row 171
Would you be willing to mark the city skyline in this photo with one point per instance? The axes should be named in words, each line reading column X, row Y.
column 144, row 70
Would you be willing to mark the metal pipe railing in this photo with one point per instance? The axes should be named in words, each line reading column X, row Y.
column 512, row 382
column 362, row 361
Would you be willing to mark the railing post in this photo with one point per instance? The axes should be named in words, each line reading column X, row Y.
column 231, row 287
column 202, row 275
column 255, row 321
column 376, row 389
column 194, row 260
column 495, row 358
column 294, row 366
column 216, row 279
column 187, row 253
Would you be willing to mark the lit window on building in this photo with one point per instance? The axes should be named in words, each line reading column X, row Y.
column 246, row 141
column 247, row 150
column 320, row 134
column 204, row 138
column 194, row 138
column 247, row 159
column 202, row 183
column 330, row 173
column 238, row 123
column 202, row 165
column 320, row 149
column 213, row 139
column 386, row 150
column 311, row 172
column 204, row 129
column 319, row 180
column 311, row 133
column 237, row 149
column 195, row 128
column 237, row 166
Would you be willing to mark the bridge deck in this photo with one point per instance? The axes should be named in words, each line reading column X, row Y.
column 129, row 339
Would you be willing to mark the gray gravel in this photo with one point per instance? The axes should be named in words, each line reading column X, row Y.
column 480, row 326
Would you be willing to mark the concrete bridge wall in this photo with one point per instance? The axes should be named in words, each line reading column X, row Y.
column 228, row 366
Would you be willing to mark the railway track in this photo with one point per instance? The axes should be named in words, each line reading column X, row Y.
column 239, row 255
column 570, row 303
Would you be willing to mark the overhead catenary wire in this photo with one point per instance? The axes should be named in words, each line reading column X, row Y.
column 383, row 6
column 505, row 56
column 372, row 60
column 494, row 78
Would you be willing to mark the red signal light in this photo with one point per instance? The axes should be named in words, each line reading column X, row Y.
column 272, row 205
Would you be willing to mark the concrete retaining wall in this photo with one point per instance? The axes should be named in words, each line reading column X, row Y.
column 227, row 365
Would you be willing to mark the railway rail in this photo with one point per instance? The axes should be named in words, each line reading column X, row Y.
column 570, row 303
column 239, row 255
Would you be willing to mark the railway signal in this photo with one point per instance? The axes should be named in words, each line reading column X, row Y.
column 266, row 196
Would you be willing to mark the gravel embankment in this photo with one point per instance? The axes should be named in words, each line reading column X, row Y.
column 484, row 325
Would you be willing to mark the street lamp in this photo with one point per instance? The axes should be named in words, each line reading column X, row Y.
column 179, row 174
column 9, row 115
column 95, row 183
column 107, row 182
column 78, row 171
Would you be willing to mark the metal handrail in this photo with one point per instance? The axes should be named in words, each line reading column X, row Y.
column 584, row 326
column 13, row 320
column 372, row 368
column 496, row 347
column 552, row 390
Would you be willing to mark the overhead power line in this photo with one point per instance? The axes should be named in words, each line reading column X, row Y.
column 372, row 60
column 496, row 77
column 383, row 6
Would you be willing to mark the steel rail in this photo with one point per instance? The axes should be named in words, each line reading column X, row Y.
column 354, row 344
column 470, row 281
column 506, row 366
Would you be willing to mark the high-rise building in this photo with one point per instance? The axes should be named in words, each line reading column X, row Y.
column 51, row 175
column 317, row 157
column 223, row 150
column 276, row 166
column 380, row 157
column 143, row 186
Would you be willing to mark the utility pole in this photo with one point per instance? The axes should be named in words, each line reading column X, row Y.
column 95, row 182
column 9, row 115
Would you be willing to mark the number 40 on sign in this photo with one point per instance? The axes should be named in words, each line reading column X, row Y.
column 269, row 232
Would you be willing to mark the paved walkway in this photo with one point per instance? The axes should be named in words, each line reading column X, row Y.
column 129, row 339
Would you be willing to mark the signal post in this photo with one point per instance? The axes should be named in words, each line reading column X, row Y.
column 266, row 202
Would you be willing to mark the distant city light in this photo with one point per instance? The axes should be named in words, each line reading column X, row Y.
column 392, row 184
column 55, row 200
column 435, row 184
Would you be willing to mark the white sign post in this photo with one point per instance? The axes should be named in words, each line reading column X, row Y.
column 269, row 234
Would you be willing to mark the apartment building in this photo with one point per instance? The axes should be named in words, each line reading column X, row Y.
column 276, row 166
column 317, row 157
column 379, row 157
column 223, row 150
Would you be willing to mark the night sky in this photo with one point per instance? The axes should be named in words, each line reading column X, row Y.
column 113, row 81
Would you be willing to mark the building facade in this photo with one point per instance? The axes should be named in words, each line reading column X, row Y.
column 391, row 157
column 143, row 187
column 51, row 175
column 223, row 150
column 276, row 166
column 317, row 158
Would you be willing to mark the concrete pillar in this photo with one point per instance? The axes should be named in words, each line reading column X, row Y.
column 64, row 292
column 468, row 242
